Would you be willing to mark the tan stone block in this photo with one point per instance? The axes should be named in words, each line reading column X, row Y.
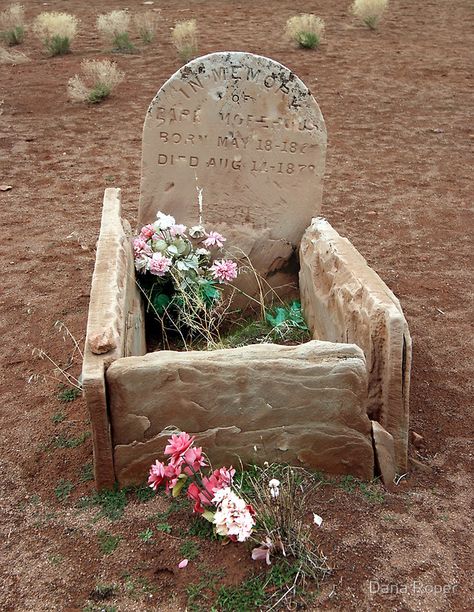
column 247, row 134
column 115, row 326
column 302, row 404
column 344, row 300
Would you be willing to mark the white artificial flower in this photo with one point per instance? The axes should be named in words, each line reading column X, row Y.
column 197, row 231
column 317, row 519
column 164, row 222
column 233, row 516
column 274, row 485
column 202, row 251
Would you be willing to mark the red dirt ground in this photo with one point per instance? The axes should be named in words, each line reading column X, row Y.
column 398, row 107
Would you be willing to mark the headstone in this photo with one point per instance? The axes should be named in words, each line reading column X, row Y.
column 238, row 142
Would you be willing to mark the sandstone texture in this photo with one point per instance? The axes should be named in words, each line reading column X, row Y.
column 115, row 326
column 303, row 404
column 384, row 454
column 243, row 135
column 344, row 300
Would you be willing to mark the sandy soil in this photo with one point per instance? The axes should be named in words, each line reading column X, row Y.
column 398, row 108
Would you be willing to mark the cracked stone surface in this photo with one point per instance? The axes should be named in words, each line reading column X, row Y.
column 344, row 300
column 303, row 404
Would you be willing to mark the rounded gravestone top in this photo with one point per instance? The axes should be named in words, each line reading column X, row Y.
column 244, row 132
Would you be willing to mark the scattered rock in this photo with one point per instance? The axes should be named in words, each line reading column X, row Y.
column 416, row 439
column 102, row 342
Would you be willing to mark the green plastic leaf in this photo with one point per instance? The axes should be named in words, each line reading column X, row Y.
column 179, row 485
column 208, row 515
column 161, row 302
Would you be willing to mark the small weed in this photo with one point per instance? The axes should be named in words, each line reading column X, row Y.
column 63, row 490
column 111, row 503
column 164, row 527
column 62, row 441
column 87, row 472
column 58, row 417
column 102, row 592
column 189, row 550
column 184, row 35
column 305, row 29
column 195, row 592
column 249, row 595
column 55, row 559
column 145, row 536
column 68, row 394
column 92, row 608
column 202, row 529
column 108, row 542
column 144, row 493
column 348, row 484
column 109, row 178
column 137, row 587
column 371, row 493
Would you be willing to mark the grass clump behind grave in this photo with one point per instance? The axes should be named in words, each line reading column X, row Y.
column 12, row 25
column 146, row 25
column 100, row 78
column 369, row 11
column 114, row 28
column 305, row 29
column 56, row 31
column 184, row 35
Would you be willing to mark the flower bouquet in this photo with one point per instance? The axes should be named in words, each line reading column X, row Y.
column 182, row 277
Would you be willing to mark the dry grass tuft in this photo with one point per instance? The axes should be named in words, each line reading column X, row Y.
column 12, row 24
column 146, row 24
column 305, row 29
column 57, row 31
column 184, row 35
column 114, row 28
column 12, row 57
column 100, row 78
column 369, row 11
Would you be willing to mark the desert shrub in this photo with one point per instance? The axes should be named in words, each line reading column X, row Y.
column 184, row 35
column 12, row 57
column 100, row 78
column 146, row 24
column 305, row 29
column 114, row 27
column 56, row 31
column 12, row 24
column 369, row 11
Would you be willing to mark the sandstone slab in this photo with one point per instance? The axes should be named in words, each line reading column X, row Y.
column 236, row 141
column 303, row 404
column 344, row 300
column 115, row 326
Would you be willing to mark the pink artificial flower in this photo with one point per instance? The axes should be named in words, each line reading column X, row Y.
column 159, row 472
column 219, row 479
column 224, row 270
column 172, row 474
column 262, row 552
column 141, row 247
column 159, row 264
column 214, row 239
column 157, row 475
column 177, row 446
column 177, row 229
column 200, row 498
column 194, row 460
column 147, row 232
column 183, row 563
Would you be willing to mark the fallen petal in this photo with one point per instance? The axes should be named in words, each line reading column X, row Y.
column 317, row 519
column 5, row 187
column 183, row 563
